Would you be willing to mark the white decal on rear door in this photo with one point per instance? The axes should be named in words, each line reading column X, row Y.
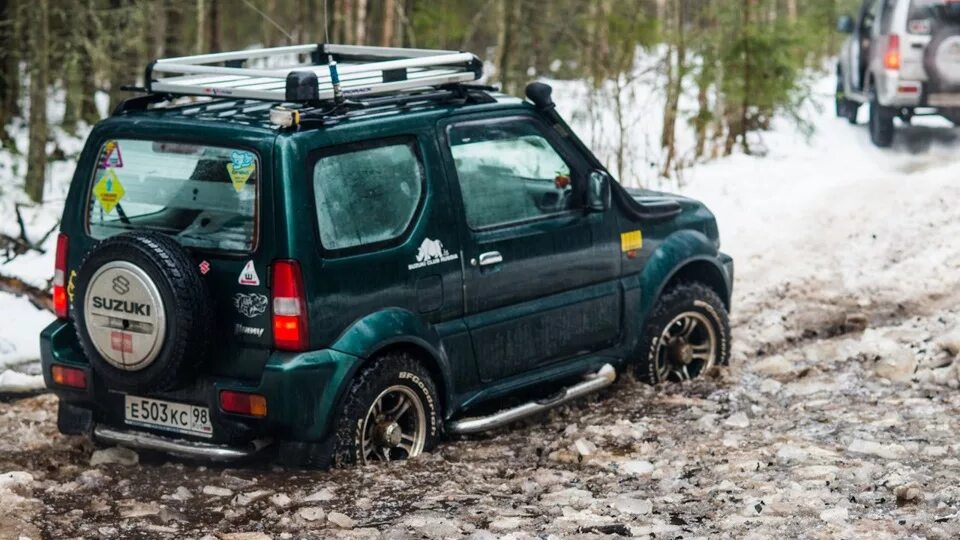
column 248, row 276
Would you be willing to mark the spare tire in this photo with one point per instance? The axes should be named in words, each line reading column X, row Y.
column 141, row 311
column 941, row 60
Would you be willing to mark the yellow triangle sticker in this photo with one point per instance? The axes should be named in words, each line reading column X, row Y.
column 240, row 175
column 109, row 191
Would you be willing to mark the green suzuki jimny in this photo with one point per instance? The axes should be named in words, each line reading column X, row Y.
column 340, row 253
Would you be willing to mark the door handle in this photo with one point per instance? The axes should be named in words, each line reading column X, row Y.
column 490, row 258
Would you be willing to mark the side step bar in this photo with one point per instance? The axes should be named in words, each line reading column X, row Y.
column 593, row 382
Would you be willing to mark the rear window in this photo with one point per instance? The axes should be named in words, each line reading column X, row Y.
column 203, row 196
column 927, row 15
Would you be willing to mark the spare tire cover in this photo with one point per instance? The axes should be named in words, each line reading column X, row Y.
column 141, row 311
column 942, row 59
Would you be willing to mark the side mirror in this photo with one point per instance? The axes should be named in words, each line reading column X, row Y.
column 845, row 24
column 598, row 191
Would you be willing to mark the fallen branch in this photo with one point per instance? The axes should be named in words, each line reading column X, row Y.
column 40, row 298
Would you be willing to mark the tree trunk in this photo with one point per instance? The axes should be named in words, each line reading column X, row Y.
column 39, row 79
column 213, row 27
column 348, row 22
column 201, row 42
column 86, row 71
column 10, row 50
column 389, row 23
column 507, row 42
column 675, row 75
column 361, row 31
column 172, row 42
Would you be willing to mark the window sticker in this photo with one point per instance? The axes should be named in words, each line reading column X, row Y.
column 248, row 276
column 109, row 191
column 240, row 168
column 631, row 241
column 111, row 156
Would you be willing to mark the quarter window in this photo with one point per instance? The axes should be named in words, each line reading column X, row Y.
column 508, row 172
column 367, row 194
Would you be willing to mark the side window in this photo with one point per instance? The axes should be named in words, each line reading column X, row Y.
column 508, row 172
column 367, row 193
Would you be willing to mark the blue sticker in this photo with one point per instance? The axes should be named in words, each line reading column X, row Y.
column 241, row 160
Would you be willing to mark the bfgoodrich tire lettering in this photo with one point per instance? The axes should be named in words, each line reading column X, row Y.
column 670, row 317
column 367, row 434
column 185, row 301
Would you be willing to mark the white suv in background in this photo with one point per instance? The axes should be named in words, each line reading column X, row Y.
column 903, row 59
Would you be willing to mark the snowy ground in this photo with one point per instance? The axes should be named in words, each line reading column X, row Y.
column 837, row 418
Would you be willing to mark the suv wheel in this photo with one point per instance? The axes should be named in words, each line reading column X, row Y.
column 687, row 333
column 845, row 108
column 881, row 122
column 390, row 413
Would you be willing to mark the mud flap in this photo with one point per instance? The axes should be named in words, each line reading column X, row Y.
column 74, row 420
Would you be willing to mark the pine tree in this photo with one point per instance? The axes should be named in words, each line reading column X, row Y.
column 39, row 80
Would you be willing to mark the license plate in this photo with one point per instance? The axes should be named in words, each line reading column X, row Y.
column 167, row 415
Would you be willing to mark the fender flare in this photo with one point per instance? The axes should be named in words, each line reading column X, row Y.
column 392, row 329
column 678, row 252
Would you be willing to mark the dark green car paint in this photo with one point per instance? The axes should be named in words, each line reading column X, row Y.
column 565, row 300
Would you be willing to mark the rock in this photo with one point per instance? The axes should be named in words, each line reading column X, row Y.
column 137, row 510
column 737, row 420
column 181, row 494
column 791, row 455
column 774, row 366
column 567, row 497
column 245, row 536
column 908, row 494
column 584, row 448
column 243, row 499
column 855, row 322
column 16, row 481
column 894, row 361
column 630, row 505
column 323, row 495
column 340, row 520
column 313, row 513
column 215, row 491
column 770, row 386
column 117, row 455
column 280, row 500
column 636, row 467
column 890, row 451
column 835, row 515
column 509, row 523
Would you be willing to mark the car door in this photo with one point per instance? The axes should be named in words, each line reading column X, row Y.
column 540, row 271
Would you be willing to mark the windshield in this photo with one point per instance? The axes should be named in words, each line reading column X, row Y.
column 203, row 196
column 927, row 15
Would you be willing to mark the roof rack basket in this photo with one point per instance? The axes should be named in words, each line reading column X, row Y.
column 310, row 73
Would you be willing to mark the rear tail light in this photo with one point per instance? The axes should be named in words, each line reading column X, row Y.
column 66, row 376
column 891, row 58
column 289, row 307
column 60, row 304
column 243, row 403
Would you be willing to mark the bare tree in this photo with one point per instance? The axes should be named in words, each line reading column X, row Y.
column 389, row 22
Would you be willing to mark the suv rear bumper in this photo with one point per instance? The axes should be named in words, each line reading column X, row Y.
column 301, row 390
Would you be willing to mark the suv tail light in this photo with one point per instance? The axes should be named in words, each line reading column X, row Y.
column 891, row 58
column 67, row 376
column 290, row 326
column 60, row 306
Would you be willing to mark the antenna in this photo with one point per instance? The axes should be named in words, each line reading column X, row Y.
column 331, row 63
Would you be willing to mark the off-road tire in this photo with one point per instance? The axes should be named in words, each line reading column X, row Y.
column 389, row 370
column 845, row 108
column 186, row 302
column 679, row 299
column 881, row 122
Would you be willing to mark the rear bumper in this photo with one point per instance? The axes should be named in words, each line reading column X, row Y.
column 301, row 389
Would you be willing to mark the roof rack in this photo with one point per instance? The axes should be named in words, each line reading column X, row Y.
column 310, row 74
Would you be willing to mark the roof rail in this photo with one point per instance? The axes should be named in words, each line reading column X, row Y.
column 310, row 74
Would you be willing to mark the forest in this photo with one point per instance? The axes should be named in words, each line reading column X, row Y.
column 742, row 61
